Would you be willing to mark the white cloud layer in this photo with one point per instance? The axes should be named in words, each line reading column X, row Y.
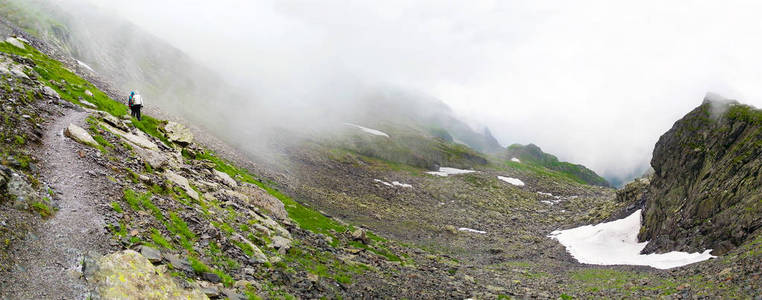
column 595, row 82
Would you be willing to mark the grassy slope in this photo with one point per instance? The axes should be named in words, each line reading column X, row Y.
column 531, row 154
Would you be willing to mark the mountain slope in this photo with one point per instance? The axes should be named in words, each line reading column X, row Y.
column 533, row 154
column 341, row 221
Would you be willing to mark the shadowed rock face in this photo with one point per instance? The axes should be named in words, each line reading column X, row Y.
column 705, row 192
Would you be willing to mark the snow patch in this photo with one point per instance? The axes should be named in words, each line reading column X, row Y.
column 616, row 243
column 471, row 230
column 368, row 130
column 513, row 181
column 400, row 184
column 545, row 194
column 382, row 182
column 445, row 171
column 84, row 65
column 515, row 160
column 393, row 184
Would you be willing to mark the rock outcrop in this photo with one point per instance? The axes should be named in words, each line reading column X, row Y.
column 80, row 135
column 178, row 133
column 705, row 192
column 129, row 275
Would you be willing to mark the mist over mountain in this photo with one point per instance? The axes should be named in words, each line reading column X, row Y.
column 318, row 150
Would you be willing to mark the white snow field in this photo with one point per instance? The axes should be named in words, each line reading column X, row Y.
column 471, row 230
column 511, row 180
column 368, row 130
column 445, row 171
column 616, row 243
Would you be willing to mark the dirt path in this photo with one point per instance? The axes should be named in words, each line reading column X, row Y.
column 49, row 259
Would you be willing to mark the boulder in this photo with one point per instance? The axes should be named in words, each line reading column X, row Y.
column 257, row 256
column 80, row 135
column 360, row 235
column 18, row 71
column 206, row 186
column 138, row 140
column 179, row 263
column 114, row 121
column 225, row 178
column 263, row 199
column 129, row 275
column 211, row 277
column 50, row 92
column 281, row 243
column 15, row 42
column 182, row 182
column 153, row 255
column 88, row 93
column 87, row 104
column 178, row 133
column 21, row 192
column 154, row 158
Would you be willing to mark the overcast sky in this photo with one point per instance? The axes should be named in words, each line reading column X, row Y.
column 595, row 82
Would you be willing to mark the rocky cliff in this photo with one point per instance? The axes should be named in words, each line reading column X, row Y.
column 705, row 192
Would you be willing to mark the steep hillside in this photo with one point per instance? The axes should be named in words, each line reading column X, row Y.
column 705, row 192
column 532, row 154
column 129, row 57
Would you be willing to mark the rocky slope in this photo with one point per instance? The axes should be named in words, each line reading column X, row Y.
column 705, row 190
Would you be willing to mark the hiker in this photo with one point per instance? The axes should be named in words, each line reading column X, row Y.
column 135, row 103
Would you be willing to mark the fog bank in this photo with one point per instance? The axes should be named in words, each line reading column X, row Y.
column 594, row 82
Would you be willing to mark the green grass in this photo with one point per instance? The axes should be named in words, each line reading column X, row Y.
column 117, row 208
column 178, row 226
column 136, row 200
column 199, row 267
column 43, row 208
column 159, row 239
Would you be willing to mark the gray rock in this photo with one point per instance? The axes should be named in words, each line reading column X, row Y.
column 138, row 279
column 225, row 178
column 281, row 243
column 153, row 255
column 179, row 263
column 211, row 277
column 15, row 42
column 155, row 159
column 360, row 235
column 138, row 140
column 259, row 197
column 211, row 292
column 258, row 256
column 182, row 182
column 178, row 133
column 50, row 92
column 80, row 135
column 88, row 104
column 113, row 121
column 21, row 191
